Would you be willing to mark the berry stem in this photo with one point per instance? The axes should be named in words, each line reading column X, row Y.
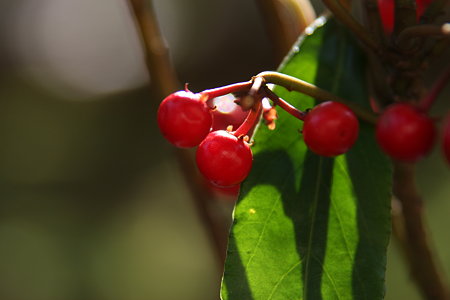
column 251, row 120
column 343, row 15
column 284, row 105
column 429, row 99
column 417, row 241
column 295, row 84
column 227, row 89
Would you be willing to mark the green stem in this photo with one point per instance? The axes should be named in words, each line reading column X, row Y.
column 298, row 85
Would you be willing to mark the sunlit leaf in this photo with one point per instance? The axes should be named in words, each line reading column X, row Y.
column 305, row 226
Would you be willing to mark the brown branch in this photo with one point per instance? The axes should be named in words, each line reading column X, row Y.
column 422, row 262
column 423, row 31
column 165, row 81
column 162, row 73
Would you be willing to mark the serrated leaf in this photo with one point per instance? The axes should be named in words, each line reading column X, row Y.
column 305, row 226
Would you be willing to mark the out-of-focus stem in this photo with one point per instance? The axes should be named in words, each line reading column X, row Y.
column 161, row 71
column 344, row 16
column 422, row 31
column 435, row 9
column 165, row 81
column 405, row 14
column 416, row 239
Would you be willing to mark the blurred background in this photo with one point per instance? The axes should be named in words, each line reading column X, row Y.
column 93, row 204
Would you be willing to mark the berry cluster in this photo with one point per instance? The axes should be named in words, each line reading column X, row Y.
column 207, row 120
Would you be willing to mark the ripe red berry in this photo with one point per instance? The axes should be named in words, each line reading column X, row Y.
column 446, row 139
column 224, row 159
column 330, row 129
column 404, row 132
column 227, row 113
column 184, row 119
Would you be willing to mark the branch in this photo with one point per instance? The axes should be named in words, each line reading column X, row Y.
column 165, row 81
column 420, row 256
column 162, row 73
column 423, row 31
column 295, row 84
column 347, row 19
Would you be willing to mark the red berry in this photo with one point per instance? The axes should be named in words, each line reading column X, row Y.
column 224, row 159
column 330, row 129
column 404, row 132
column 184, row 119
column 227, row 113
column 446, row 139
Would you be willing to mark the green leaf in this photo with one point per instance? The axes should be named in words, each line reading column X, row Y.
column 305, row 226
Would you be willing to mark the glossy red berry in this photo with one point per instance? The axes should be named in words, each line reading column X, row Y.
column 227, row 113
column 224, row 159
column 404, row 132
column 330, row 129
column 446, row 139
column 184, row 119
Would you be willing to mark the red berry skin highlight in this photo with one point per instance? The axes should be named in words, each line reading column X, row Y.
column 405, row 133
column 446, row 139
column 224, row 159
column 330, row 129
column 227, row 113
column 184, row 120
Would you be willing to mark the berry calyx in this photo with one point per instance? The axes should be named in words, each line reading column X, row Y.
column 224, row 159
column 227, row 113
column 404, row 132
column 330, row 129
column 184, row 119
column 446, row 139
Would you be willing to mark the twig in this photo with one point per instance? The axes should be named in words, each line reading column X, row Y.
column 421, row 260
column 295, row 84
column 423, row 30
column 165, row 81
column 428, row 101
column 161, row 71
column 347, row 19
